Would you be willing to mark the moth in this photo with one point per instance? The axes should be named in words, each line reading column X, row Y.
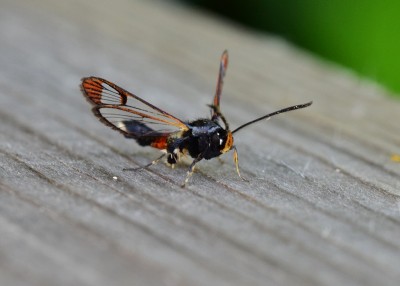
column 135, row 118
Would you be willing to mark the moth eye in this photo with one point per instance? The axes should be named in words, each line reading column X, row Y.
column 216, row 140
column 221, row 141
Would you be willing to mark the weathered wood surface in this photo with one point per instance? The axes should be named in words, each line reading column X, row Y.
column 322, row 206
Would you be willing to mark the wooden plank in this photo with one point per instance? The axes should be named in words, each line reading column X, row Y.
column 322, row 206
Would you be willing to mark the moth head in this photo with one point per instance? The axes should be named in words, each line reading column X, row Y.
column 228, row 142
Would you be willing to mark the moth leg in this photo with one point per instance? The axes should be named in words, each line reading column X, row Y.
column 146, row 166
column 172, row 159
column 190, row 171
column 219, row 114
column 236, row 160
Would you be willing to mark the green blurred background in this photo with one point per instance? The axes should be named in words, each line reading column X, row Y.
column 361, row 35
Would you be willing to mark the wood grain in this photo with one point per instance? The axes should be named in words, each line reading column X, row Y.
column 322, row 206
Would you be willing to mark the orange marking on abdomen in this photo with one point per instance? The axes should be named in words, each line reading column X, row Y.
column 160, row 143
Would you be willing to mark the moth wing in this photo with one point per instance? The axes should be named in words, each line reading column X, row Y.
column 128, row 113
column 220, row 82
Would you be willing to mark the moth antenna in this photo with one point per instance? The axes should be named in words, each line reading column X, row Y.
column 290, row 108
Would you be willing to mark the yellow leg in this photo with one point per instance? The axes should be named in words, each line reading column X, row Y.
column 146, row 166
column 236, row 159
column 190, row 171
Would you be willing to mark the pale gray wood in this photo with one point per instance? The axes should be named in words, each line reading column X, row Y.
column 322, row 206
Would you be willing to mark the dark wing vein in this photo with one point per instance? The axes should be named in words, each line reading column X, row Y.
column 112, row 108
